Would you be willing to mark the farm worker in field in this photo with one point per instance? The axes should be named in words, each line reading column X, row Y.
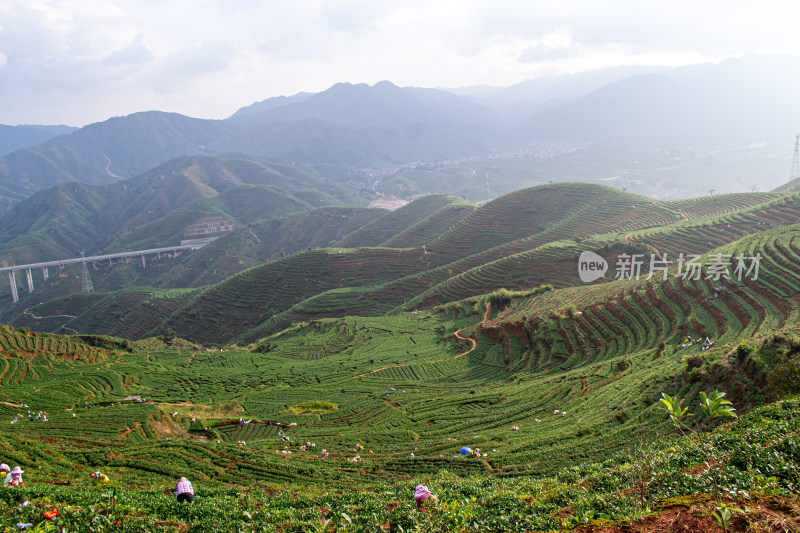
column 465, row 451
column 184, row 491
column 99, row 478
column 422, row 494
column 14, row 478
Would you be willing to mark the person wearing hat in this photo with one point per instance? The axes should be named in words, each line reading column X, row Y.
column 99, row 478
column 184, row 491
column 14, row 478
column 422, row 494
column 4, row 469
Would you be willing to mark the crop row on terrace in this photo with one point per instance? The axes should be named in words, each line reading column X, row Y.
column 529, row 212
column 429, row 228
column 703, row 234
column 396, row 222
column 556, row 265
column 27, row 344
column 694, row 208
column 508, row 265
column 391, row 414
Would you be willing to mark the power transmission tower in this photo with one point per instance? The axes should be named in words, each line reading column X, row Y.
column 795, row 173
column 488, row 194
column 86, row 281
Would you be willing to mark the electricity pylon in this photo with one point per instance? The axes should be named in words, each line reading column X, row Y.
column 86, row 281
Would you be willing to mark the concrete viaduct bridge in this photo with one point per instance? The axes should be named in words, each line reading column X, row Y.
column 93, row 259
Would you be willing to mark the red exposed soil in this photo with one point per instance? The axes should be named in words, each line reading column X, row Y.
column 766, row 515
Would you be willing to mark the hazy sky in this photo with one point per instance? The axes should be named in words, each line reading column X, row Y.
column 82, row 61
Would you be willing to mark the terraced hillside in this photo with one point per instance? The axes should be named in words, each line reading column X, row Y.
column 241, row 302
column 513, row 242
column 590, row 324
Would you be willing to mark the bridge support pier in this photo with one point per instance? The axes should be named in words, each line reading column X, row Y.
column 13, row 280
column 144, row 265
column 44, row 273
column 30, row 279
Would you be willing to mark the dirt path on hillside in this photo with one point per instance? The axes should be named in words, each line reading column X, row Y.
column 655, row 202
column 69, row 317
column 627, row 239
column 128, row 430
column 681, row 213
column 472, row 341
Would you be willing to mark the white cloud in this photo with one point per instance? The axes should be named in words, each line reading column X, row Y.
column 133, row 54
column 78, row 61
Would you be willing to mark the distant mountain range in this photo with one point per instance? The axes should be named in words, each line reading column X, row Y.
column 359, row 126
column 24, row 136
column 741, row 100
